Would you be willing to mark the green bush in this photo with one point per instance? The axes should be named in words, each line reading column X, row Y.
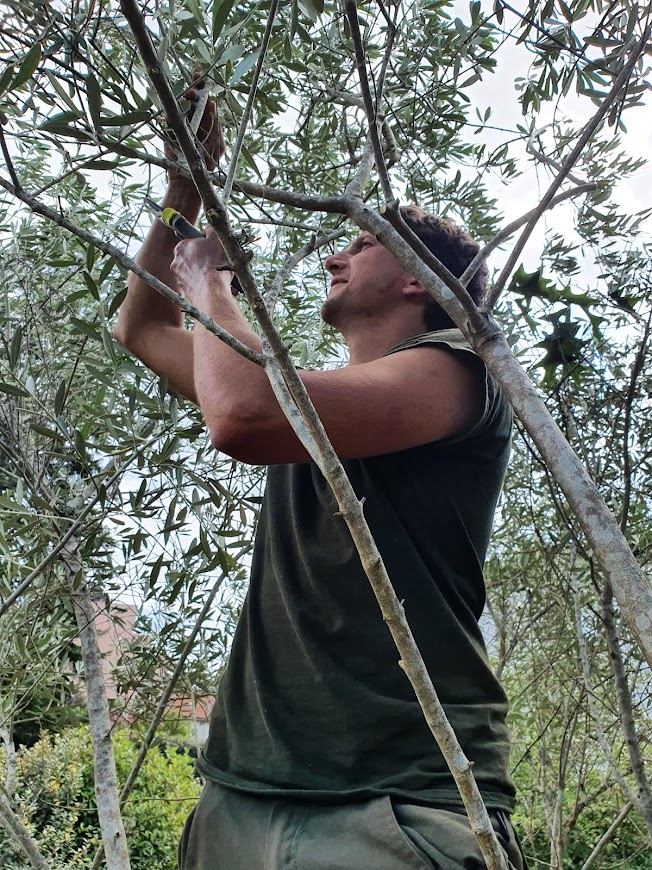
column 54, row 795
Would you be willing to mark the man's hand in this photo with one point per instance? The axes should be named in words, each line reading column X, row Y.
column 195, row 264
column 209, row 133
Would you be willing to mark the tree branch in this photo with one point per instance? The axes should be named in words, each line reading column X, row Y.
column 615, row 771
column 74, row 528
column 511, row 228
column 164, row 700
column 208, row 324
column 374, row 118
column 643, row 801
column 317, row 241
column 104, row 771
column 233, row 165
column 19, row 833
column 608, row 836
column 358, row 103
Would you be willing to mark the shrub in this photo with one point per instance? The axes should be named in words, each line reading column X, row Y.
column 54, row 796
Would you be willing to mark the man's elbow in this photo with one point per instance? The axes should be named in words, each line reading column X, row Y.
column 229, row 439
column 125, row 337
column 237, row 436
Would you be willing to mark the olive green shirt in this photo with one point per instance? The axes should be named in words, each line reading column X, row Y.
column 313, row 703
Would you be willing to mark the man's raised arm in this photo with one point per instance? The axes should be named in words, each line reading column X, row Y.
column 150, row 326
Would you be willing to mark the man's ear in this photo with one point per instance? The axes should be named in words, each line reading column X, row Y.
column 413, row 290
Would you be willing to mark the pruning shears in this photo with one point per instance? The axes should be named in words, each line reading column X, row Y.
column 182, row 229
column 172, row 218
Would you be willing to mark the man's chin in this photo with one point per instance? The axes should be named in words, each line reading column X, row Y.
column 329, row 311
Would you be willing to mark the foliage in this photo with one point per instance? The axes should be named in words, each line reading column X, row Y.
column 84, row 424
column 55, row 780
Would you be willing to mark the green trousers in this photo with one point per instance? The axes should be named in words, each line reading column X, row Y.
column 230, row 830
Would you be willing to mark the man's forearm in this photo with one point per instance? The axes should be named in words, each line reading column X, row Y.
column 225, row 381
column 143, row 307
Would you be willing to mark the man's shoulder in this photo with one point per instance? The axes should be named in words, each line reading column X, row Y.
column 452, row 339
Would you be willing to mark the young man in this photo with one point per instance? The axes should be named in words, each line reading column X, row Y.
column 319, row 757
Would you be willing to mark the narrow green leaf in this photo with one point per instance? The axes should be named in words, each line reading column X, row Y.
column 14, row 347
column 6, row 77
column 117, row 301
column 85, row 328
column 220, row 13
column 127, row 118
column 27, row 68
column 94, row 98
column 56, row 84
column 46, row 431
column 60, row 397
column 244, row 66
column 248, row 158
column 80, row 444
column 12, row 390
column 92, row 286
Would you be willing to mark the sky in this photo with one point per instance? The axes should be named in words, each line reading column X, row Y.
column 525, row 191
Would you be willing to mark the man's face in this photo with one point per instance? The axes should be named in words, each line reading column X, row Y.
column 365, row 281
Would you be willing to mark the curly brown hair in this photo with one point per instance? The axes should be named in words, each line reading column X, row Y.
column 452, row 246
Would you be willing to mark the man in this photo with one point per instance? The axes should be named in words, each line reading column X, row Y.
column 319, row 757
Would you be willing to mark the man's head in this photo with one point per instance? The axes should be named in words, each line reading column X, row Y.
column 368, row 281
column 453, row 247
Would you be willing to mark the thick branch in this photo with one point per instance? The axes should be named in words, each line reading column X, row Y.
column 163, row 703
column 19, row 833
column 104, row 772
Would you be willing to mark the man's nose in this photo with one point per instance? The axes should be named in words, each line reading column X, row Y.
column 335, row 262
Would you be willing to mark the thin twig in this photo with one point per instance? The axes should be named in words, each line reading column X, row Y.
column 8, row 161
column 511, row 228
column 92, row 492
column 543, row 158
column 132, row 265
column 233, row 165
column 358, row 103
column 608, row 836
column 372, row 111
column 292, row 261
column 589, row 130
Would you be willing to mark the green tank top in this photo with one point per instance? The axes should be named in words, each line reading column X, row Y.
column 313, row 703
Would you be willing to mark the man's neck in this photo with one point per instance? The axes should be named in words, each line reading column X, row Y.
column 374, row 341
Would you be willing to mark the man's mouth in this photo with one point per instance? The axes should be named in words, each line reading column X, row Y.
column 337, row 281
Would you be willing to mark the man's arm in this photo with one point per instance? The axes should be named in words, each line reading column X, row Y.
column 393, row 403
column 149, row 325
